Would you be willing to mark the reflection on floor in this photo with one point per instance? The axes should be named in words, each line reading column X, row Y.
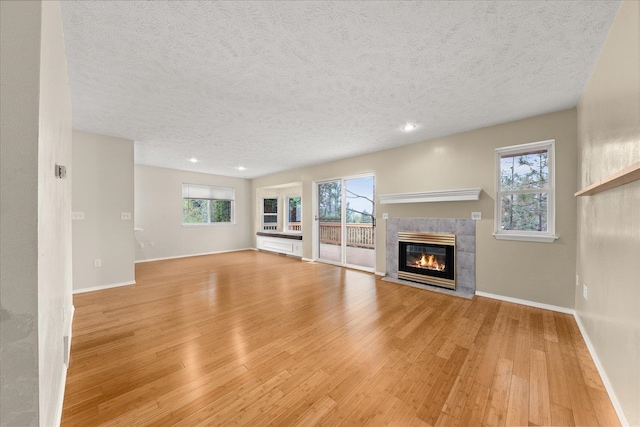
column 363, row 257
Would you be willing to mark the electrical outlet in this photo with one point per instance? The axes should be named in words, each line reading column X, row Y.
column 585, row 292
column 385, row 216
column 77, row 215
column 97, row 263
column 141, row 245
column 125, row 215
column 152, row 244
column 476, row 216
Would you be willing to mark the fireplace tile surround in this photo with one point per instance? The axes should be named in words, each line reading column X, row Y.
column 465, row 231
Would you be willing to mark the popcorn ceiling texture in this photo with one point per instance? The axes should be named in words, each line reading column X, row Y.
column 278, row 85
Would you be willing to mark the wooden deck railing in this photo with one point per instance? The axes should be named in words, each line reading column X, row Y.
column 359, row 235
column 295, row 226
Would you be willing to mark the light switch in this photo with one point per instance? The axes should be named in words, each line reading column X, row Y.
column 476, row 216
column 385, row 216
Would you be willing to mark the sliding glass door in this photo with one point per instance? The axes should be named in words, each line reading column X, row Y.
column 346, row 222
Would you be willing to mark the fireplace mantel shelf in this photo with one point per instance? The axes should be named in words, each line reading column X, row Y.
column 432, row 196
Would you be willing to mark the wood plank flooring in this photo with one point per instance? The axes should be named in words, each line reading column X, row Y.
column 251, row 338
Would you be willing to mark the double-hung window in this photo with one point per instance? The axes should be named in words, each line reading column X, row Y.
column 207, row 205
column 525, row 192
column 270, row 214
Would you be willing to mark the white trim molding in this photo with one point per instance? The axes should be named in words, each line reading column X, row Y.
column 603, row 374
column 101, row 287
column 543, row 238
column 432, row 196
column 68, row 329
column 190, row 255
column 527, row 302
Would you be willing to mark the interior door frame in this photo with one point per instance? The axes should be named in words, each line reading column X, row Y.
column 343, row 210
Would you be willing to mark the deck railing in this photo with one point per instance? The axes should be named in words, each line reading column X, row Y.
column 357, row 234
column 295, row 226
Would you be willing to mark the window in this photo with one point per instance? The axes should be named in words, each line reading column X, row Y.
column 294, row 218
column 525, row 192
column 205, row 204
column 270, row 214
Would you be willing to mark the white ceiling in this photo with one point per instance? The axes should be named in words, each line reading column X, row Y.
column 278, row 85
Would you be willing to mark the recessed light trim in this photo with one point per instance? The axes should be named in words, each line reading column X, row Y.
column 241, row 168
column 409, row 127
column 193, row 160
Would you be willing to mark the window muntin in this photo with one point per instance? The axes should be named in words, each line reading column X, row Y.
column 525, row 192
column 207, row 205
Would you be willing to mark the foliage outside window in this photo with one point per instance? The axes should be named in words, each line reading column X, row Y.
column 203, row 204
column 294, row 217
column 525, row 192
column 270, row 214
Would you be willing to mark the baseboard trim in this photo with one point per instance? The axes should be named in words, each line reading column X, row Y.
column 191, row 255
column 527, row 302
column 602, row 372
column 307, row 259
column 99, row 288
column 380, row 273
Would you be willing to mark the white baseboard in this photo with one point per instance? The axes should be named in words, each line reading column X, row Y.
column 308, row 259
column 602, row 372
column 99, row 288
column 190, row 255
column 380, row 273
column 527, row 302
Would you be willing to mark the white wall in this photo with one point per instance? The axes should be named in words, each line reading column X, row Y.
column 158, row 206
column 467, row 160
column 36, row 207
column 609, row 222
column 102, row 189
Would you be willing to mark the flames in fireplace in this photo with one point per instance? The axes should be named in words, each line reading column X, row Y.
column 430, row 262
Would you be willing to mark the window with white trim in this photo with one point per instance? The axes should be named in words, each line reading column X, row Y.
column 525, row 192
column 207, row 205
column 294, row 213
column 270, row 214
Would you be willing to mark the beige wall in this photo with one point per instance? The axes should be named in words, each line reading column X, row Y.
column 35, row 238
column 158, row 206
column 462, row 161
column 609, row 223
column 102, row 190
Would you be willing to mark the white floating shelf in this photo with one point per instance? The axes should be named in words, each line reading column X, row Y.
column 432, row 196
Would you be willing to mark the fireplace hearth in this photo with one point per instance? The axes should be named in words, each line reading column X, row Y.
column 427, row 258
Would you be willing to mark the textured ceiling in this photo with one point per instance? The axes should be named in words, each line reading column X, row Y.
column 277, row 85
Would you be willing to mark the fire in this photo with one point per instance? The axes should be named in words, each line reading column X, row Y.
column 430, row 262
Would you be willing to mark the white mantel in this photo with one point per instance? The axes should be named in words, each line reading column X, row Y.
column 432, row 196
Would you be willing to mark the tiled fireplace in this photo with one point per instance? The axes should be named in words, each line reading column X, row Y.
column 433, row 253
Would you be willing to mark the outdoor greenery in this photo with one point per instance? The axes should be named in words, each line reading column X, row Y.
column 204, row 211
column 330, row 205
column 524, row 185
column 295, row 209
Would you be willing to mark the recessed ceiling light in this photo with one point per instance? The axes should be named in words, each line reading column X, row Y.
column 408, row 127
column 241, row 168
column 193, row 160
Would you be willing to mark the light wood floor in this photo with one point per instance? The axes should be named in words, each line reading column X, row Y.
column 255, row 338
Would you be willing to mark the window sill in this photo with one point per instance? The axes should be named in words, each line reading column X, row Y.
column 212, row 224
column 542, row 238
